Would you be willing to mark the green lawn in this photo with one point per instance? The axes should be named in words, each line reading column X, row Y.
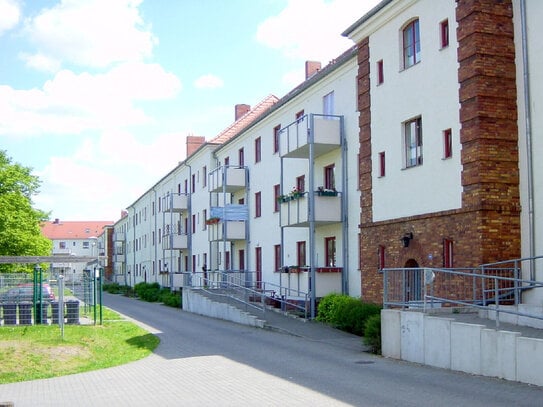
column 37, row 352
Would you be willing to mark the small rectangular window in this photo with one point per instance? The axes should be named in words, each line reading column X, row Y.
column 277, row 256
column 276, row 131
column 329, row 177
column 62, row 245
column 204, row 175
column 258, row 204
column 444, row 33
column 258, row 150
column 241, row 157
column 382, row 164
column 330, row 251
column 300, row 183
column 448, row 253
column 447, row 143
column 328, row 104
column 381, row 257
column 380, row 72
column 300, row 253
column 226, row 161
column 276, row 194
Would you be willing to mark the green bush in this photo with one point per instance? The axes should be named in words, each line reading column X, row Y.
column 172, row 299
column 148, row 291
column 346, row 313
column 372, row 336
column 116, row 288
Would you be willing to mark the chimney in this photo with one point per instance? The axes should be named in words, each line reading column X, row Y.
column 241, row 109
column 193, row 142
column 56, row 221
column 311, row 68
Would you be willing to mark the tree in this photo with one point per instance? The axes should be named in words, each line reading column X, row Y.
column 20, row 233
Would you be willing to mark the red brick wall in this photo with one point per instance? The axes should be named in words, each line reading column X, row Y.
column 487, row 227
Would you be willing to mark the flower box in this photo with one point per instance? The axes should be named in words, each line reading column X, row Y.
column 212, row 221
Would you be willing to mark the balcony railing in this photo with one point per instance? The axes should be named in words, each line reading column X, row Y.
column 294, row 140
column 175, row 242
column 295, row 211
column 176, row 203
column 119, row 258
column 228, row 179
column 227, row 230
column 119, row 237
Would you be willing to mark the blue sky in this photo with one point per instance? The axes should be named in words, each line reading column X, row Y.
column 97, row 96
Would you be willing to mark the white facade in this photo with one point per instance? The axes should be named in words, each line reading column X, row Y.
column 529, row 61
column 175, row 247
column 404, row 95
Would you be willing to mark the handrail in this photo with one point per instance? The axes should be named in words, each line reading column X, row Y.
column 239, row 286
column 479, row 287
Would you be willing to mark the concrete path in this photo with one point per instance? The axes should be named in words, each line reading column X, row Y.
column 206, row 362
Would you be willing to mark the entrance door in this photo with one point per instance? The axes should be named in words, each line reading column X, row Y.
column 413, row 281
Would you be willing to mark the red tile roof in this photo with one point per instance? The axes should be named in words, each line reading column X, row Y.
column 245, row 120
column 73, row 230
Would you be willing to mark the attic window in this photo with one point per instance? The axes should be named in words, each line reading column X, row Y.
column 87, row 230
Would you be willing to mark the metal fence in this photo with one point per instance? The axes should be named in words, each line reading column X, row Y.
column 497, row 284
column 243, row 287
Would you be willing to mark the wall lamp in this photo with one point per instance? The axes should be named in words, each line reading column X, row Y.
column 406, row 239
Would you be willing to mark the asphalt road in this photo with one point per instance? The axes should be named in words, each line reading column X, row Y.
column 206, row 362
column 339, row 372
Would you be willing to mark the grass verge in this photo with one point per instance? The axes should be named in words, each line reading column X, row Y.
column 38, row 352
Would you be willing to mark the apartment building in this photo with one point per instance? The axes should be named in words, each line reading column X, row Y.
column 444, row 154
column 267, row 199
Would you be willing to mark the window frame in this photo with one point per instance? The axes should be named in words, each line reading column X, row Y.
column 329, row 176
column 276, row 195
column 301, row 253
column 411, row 49
column 258, row 149
column 258, row 204
column 413, row 143
column 277, row 257
column 330, row 251
column 276, row 132
column 382, row 164
column 300, row 183
column 380, row 72
column 328, row 104
column 444, row 33
column 447, row 143
column 241, row 157
column 448, row 253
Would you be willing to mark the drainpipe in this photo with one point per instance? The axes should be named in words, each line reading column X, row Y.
column 528, row 124
column 155, row 260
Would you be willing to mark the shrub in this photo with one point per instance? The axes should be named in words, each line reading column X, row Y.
column 148, row 292
column 372, row 336
column 172, row 299
column 346, row 313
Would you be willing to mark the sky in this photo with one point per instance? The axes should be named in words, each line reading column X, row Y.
column 98, row 96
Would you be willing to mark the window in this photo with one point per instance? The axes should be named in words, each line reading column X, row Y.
column 444, row 33
column 193, row 183
column 258, row 204
column 382, row 164
column 413, row 142
column 380, row 72
column 411, row 44
column 204, row 176
column 447, row 143
column 329, row 178
column 277, row 256
column 300, row 115
column 258, row 150
column 241, row 259
column 186, row 185
column 86, row 245
column 258, row 267
column 300, row 253
column 226, row 161
column 300, row 183
column 241, row 157
column 276, row 131
column 328, row 104
column 447, row 253
column 193, row 224
column 276, row 194
column 204, row 216
column 381, row 257
column 330, row 251
column 62, row 245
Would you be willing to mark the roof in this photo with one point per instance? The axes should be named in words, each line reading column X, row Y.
column 73, row 230
column 245, row 120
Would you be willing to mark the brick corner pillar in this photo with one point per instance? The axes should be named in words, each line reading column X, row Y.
column 488, row 118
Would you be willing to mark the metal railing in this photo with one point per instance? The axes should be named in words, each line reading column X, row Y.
column 244, row 288
column 498, row 285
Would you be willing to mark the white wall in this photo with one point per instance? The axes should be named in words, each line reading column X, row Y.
column 428, row 89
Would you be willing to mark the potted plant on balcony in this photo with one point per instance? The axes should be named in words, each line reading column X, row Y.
column 296, row 193
column 213, row 221
column 321, row 191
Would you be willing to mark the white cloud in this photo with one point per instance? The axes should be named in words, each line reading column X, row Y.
column 311, row 29
column 10, row 14
column 208, row 82
column 71, row 103
column 105, row 175
column 40, row 62
column 91, row 33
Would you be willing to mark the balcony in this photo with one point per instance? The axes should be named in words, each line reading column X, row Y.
column 229, row 230
column 295, row 212
column 176, row 203
column 175, row 242
column 119, row 258
column 294, row 140
column 228, row 179
column 57, row 252
column 119, row 237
